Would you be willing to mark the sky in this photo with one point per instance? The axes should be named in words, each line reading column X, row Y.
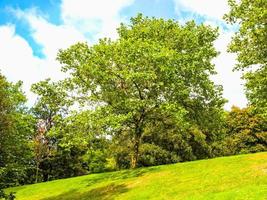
column 32, row 32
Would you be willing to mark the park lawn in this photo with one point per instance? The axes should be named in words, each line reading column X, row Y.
column 241, row 177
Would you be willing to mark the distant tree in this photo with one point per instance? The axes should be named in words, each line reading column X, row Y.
column 246, row 131
column 63, row 137
column 51, row 107
column 52, row 102
column 42, row 148
column 80, row 135
column 156, row 69
column 250, row 44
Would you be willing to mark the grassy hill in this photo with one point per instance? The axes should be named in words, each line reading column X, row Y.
column 237, row 177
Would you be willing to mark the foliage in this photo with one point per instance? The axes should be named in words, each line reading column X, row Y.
column 250, row 44
column 156, row 69
column 256, row 89
column 16, row 127
column 50, row 108
column 52, row 102
column 66, row 162
column 80, row 131
column 151, row 155
column 10, row 196
column 246, row 130
column 97, row 155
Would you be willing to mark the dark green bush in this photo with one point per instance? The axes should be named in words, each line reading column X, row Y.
column 151, row 155
column 10, row 196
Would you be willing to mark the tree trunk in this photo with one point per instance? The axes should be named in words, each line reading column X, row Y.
column 135, row 155
column 137, row 138
column 37, row 172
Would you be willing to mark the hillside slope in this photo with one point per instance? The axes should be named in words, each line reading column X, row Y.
column 237, row 177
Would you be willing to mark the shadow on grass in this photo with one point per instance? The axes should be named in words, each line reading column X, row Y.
column 108, row 192
column 116, row 176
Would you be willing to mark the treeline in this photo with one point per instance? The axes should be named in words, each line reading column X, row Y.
column 145, row 99
column 61, row 146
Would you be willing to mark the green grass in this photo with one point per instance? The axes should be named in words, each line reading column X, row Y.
column 241, row 177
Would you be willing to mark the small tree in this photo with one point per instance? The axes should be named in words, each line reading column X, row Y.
column 246, row 131
column 50, row 108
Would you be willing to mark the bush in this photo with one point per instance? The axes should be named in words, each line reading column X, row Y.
column 10, row 196
column 151, row 155
column 122, row 158
column 246, row 131
column 14, row 175
column 97, row 161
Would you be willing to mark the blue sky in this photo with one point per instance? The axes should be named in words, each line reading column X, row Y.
column 32, row 32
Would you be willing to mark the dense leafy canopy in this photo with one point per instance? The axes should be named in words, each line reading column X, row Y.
column 156, row 71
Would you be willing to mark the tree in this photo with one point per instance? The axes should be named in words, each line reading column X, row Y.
column 16, row 129
column 81, row 139
column 11, row 100
column 50, row 109
column 246, row 131
column 63, row 136
column 250, row 44
column 155, row 69
column 52, row 102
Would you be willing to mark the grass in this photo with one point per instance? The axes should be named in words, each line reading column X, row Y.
column 241, row 177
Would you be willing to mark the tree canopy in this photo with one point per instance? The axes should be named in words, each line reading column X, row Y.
column 16, row 127
column 250, row 44
column 156, row 69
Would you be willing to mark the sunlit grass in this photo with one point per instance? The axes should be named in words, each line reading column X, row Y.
column 237, row 177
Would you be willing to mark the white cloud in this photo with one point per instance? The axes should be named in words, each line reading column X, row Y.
column 209, row 8
column 90, row 9
column 81, row 18
column 231, row 81
column 19, row 63
column 17, row 60
column 51, row 37
column 96, row 16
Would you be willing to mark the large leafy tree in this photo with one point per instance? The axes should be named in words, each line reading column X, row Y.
column 156, row 70
column 250, row 44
